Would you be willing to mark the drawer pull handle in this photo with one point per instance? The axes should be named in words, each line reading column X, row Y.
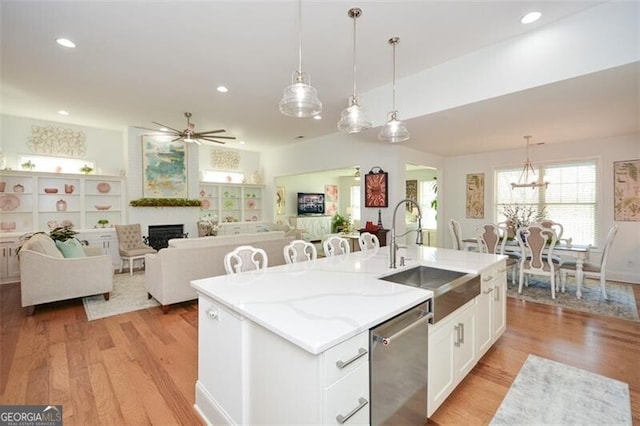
column 361, row 404
column 488, row 290
column 342, row 364
column 386, row 341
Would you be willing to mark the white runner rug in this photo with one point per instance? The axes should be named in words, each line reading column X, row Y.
column 129, row 294
column 549, row 392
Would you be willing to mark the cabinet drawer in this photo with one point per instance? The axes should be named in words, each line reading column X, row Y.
column 349, row 395
column 345, row 357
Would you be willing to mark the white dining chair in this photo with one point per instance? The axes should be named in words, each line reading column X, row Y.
column 592, row 270
column 245, row 258
column 335, row 245
column 456, row 235
column 537, row 254
column 368, row 241
column 299, row 251
column 491, row 240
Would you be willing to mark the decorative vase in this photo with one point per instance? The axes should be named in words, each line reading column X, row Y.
column 103, row 187
column 18, row 188
column 68, row 188
column 61, row 206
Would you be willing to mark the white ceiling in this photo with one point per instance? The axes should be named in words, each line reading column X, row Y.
column 138, row 62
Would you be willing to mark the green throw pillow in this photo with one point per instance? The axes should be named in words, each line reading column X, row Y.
column 70, row 248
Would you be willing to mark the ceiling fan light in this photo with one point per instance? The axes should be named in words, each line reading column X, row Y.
column 394, row 130
column 353, row 119
column 300, row 100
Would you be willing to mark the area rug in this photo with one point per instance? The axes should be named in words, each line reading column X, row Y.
column 621, row 301
column 129, row 294
column 549, row 392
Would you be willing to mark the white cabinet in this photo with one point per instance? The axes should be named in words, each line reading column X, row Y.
column 107, row 240
column 491, row 312
column 452, row 353
column 9, row 266
column 248, row 375
column 314, row 227
column 233, row 203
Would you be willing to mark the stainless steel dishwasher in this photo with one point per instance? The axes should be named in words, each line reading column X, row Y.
column 398, row 368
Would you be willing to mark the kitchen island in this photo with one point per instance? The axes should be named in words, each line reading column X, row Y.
column 269, row 340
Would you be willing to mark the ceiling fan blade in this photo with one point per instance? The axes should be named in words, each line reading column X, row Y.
column 149, row 128
column 201, row 136
column 205, row 140
column 177, row 139
column 212, row 131
column 179, row 132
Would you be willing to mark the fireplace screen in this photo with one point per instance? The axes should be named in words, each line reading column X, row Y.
column 159, row 235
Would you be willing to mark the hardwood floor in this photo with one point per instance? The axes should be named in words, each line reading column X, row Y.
column 141, row 367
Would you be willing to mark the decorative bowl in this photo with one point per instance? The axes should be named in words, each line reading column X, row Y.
column 7, row 226
column 103, row 206
column 51, row 190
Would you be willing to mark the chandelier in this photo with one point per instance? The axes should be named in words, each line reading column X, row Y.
column 354, row 118
column 300, row 99
column 528, row 178
column 395, row 130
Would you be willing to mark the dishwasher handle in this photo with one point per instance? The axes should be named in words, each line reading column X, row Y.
column 386, row 341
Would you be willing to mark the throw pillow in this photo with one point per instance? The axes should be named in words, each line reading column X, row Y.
column 71, row 248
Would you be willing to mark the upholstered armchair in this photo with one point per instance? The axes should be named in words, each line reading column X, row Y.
column 47, row 276
column 130, row 245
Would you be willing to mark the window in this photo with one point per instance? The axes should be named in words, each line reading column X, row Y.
column 570, row 198
column 355, row 202
column 428, row 193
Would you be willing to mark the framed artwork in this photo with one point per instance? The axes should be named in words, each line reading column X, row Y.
column 376, row 190
column 331, row 199
column 164, row 167
column 475, row 196
column 281, row 203
column 626, row 191
column 411, row 192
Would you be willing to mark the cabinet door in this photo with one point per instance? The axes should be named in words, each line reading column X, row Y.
column 484, row 315
column 499, row 308
column 440, row 365
column 464, row 354
column 9, row 266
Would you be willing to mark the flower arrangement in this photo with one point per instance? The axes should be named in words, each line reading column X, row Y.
column 340, row 223
column 28, row 165
column 165, row 202
column 518, row 216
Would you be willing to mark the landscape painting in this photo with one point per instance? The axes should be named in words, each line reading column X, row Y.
column 164, row 167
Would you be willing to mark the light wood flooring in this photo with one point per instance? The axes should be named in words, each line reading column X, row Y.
column 141, row 367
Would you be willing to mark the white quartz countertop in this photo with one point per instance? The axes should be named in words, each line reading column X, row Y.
column 319, row 304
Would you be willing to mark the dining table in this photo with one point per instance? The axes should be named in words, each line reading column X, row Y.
column 579, row 252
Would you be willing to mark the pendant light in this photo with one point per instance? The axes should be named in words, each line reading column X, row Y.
column 356, row 175
column 300, row 99
column 528, row 177
column 394, row 131
column 353, row 119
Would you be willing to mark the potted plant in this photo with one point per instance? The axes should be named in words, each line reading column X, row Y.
column 86, row 169
column 340, row 223
column 103, row 223
column 28, row 165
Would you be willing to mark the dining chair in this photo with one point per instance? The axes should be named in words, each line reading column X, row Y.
column 130, row 245
column 592, row 270
column 456, row 235
column 535, row 242
column 368, row 241
column 299, row 251
column 491, row 240
column 335, row 245
column 245, row 258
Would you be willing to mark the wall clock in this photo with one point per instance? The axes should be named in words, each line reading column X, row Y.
column 376, row 189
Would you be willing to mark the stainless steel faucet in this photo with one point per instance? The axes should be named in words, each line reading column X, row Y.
column 393, row 247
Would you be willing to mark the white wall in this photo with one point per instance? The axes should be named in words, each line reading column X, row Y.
column 624, row 260
column 105, row 148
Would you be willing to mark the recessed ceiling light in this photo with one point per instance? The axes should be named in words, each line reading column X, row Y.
column 163, row 129
column 66, row 43
column 63, row 112
column 317, row 117
column 222, row 89
column 530, row 17
column 241, row 142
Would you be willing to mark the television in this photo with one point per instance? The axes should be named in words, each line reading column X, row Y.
column 310, row 203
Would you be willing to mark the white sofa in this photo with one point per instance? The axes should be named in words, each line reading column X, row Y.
column 169, row 272
column 46, row 276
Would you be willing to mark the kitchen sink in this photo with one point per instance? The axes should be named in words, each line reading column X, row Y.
column 451, row 289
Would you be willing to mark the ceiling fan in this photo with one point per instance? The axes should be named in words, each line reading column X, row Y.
column 189, row 134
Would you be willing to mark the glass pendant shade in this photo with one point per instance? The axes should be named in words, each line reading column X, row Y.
column 394, row 131
column 353, row 119
column 300, row 99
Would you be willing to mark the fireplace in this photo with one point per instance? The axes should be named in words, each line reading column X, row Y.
column 159, row 235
